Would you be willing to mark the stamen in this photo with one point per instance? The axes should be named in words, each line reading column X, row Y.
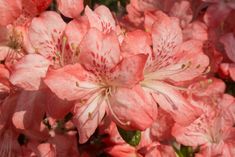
column 162, row 73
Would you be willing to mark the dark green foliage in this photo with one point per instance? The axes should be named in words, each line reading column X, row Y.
column 131, row 137
column 186, row 151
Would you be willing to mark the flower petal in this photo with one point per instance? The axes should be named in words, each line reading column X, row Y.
column 56, row 107
column 71, row 82
column 189, row 62
column 166, row 35
column 172, row 102
column 28, row 72
column 216, row 13
column 129, row 71
column 10, row 10
column 101, row 18
column 70, row 8
column 228, row 41
column 29, row 110
column 88, row 116
column 132, row 109
column 193, row 135
column 136, row 42
column 103, row 52
column 75, row 31
column 45, row 32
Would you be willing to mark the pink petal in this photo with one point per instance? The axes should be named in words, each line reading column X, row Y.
column 46, row 150
column 136, row 42
column 45, row 32
column 160, row 150
column 28, row 72
column 195, row 30
column 103, row 52
column 161, row 128
column 4, row 82
column 193, row 135
column 215, row 14
column 70, row 8
column 56, row 107
column 71, row 82
column 172, row 102
column 166, row 35
column 29, row 110
column 88, row 116
column 6, row 110
column 65, row 144
column 129, row 71
column 132, row 109
column 192, row 62
column 10, row 10
column 228, row 41
column 183, row 11
column 123, row 150
column 76, row 30
column 101, row 18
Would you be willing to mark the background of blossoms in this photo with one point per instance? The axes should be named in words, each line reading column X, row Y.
column 138, row 78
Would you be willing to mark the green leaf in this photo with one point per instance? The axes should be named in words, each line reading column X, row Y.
column 131, row 137
column 185, row 151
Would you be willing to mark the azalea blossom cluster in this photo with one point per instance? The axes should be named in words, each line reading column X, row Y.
column 148, row 82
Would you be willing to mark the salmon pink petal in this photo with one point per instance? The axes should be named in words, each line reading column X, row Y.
column 56, row 107
column 193, row 135
column 160, row 150
column 122, row 150
column 4, row 82
column 65, row 144
column 192, row 62
column 161, row 128
column 132, row 109
column 4, row 52
column 71, row 82
column 166, row 35
column 10, row 10
column 136, row 42
column 88, row 115
column 170, row 100
column 216, row 14
column 228, row 41
column 129, row 71
column 103, row 52
column 22, row 71
column 46, row 150
column 195, row 30
column 183, row 11
column 29, row 110
column 6, row 110
column 45, row 32
column 101, row 18
column 70, row 8
column 75, row 31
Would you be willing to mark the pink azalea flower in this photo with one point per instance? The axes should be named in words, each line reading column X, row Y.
column 20, row 12
column 213, row 131
column 56, row 41
column 171, row 61
column 103, row 81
